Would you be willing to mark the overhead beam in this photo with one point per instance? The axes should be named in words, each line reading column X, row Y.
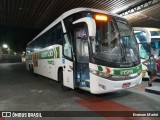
column 138, row 6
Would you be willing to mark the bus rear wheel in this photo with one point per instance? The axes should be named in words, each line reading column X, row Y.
column 60, row 79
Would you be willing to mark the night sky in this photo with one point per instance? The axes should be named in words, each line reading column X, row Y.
column 16, row 38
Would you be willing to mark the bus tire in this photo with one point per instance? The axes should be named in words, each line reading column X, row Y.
column 60, row 79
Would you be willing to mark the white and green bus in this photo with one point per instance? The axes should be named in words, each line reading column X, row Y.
column 149, row 43
column 88, row 49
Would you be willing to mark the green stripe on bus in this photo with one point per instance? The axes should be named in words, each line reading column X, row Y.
column 57, row 49
column 127, row 71
column 49, row 54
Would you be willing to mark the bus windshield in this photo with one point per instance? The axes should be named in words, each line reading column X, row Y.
column 144, row 50
column 155, row 33
column 115, row 42
column 155, row 46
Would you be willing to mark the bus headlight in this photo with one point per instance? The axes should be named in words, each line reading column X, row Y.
column 100, row 74
column 94, row 71
column 133, row 75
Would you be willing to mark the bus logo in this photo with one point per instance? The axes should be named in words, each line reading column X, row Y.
column 35, row 59
column 126, row 72
column 6, row 114
column 49, row 54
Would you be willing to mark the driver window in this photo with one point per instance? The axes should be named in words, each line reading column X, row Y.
column 82, row 45
column 67, row 50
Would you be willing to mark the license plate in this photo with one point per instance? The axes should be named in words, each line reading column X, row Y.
column 126, row 85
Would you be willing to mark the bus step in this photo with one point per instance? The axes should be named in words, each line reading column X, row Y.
column 84, row 84
column 85, row 80
column 85, row 88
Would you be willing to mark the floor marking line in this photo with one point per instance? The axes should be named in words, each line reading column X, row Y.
column 1, row 118
column 99, row 104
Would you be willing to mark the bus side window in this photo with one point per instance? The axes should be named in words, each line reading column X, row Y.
column 59, row 34
column 67, row 47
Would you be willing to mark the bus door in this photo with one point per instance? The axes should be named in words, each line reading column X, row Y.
column 67, row 62
column 81, row 67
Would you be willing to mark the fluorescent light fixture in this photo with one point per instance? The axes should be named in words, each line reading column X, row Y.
column 5, row 46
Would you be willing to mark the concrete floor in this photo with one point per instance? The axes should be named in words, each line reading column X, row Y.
column 20, row 91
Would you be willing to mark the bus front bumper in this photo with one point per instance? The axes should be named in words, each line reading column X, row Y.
column 100, row 85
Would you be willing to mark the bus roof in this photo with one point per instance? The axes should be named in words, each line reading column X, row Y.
column 70, row 12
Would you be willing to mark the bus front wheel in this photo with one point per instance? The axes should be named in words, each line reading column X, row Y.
column 60, row 79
